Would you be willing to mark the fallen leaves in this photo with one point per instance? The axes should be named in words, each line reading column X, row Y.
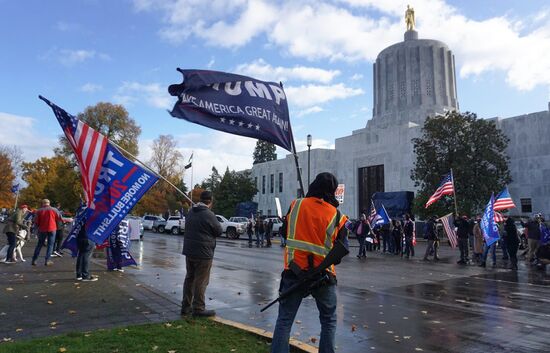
column 72, row 312
column 9, row 289
column 154, row 348
column 18, row 330
column 313, row 339
column 62, row 349
column 424, row 312
column 50, row 302
column 7, row 339
column 167, row 324
column 353, row 328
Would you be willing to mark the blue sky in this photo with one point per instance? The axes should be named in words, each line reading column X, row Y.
column 78, row 53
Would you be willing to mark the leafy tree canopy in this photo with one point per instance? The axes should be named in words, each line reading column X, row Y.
column 7, row 177
column 474, row 149
column 264, row 152
column 233, row 188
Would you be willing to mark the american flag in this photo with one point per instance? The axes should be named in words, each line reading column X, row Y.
column 504, row 201
column 499, row 217
column 449, row 229
column 446, row 187
column 88, row 146
column 372, row 214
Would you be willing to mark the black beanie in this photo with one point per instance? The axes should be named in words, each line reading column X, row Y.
column 323, row 187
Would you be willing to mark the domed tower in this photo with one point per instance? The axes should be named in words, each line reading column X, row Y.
column 413, row 79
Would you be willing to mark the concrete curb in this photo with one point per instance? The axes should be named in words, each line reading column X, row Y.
column 302, row 346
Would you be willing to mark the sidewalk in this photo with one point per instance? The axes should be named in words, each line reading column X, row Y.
column 42, row 301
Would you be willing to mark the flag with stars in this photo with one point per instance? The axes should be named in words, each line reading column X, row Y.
column 118, row 184
column 235, row 104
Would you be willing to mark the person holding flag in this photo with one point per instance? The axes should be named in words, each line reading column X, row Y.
column 490, row 232
column 463, row 234
column 408, row 230
column 511, row 240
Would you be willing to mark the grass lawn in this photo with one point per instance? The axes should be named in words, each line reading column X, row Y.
column 182, row 336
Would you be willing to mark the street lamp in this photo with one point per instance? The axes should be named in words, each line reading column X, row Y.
column 308, row 160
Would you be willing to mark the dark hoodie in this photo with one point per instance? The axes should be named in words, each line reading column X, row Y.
column 201, row 230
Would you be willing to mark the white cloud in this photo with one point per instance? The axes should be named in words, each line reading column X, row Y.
column 70, row 57
column 91, row 87
column 308, row 95
column 312, row 110
column 357, row 30
column 153, row 94
column 216, row 149
column 66, row 26
column 262, row 70
column 301, row 145
column 356, row 77
column 23, row 132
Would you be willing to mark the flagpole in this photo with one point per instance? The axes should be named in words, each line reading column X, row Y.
column 16, row 198
column 152, row 171
column 454, row 191
column 297, row 166
column 192, row 186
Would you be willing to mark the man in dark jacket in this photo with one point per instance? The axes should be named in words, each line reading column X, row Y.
column 462, row 233
column 431, row 236
column 533, row 236
column 201, row 230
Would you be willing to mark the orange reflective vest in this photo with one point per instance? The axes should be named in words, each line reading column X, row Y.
column 311, row 228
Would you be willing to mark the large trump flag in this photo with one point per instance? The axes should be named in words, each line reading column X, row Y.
column 112, row 183
column 235, row 104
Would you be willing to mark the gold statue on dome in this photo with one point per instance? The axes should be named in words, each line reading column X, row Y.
column 409, row 18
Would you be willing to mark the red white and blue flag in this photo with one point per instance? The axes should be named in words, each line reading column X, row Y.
column 88, row 146
column 113, row 184
column 448, row 222
column 372, row 213
column 446, row 187
column 503, row 201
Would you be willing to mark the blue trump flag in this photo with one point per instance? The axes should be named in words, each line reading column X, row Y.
column 381, row 217
column 15, row 188
column 235, row 104
column 118, row 185
column 488, row 224
column 118, row 252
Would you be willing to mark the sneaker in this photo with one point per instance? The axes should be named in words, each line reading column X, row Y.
column 89, row 279
column 49, row 263
column 204, row 313
column 79, row 278
column 185, row 312
column 33, row 263
column 119, row 269
column 10, row 262
column 54, row 254
column 58, row 253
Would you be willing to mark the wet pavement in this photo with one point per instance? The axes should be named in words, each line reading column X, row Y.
column 385, row 303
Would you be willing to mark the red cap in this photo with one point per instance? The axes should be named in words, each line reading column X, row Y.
column 24, row 206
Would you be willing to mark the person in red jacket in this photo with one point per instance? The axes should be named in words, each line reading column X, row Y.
column 46, row 219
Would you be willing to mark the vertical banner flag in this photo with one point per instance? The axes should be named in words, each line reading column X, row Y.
column 503, row 201
column 446, row 187
column 235, row 104
column 278, row 207
column 488, row 224
column 544, row 234
column 15, row 188
column 372, row 213
column 448, row 226
column 118, row 183
column 339, row 193
column 118, row 252
column 79, row 221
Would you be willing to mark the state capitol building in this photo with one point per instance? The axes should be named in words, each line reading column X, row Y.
column 413, row 79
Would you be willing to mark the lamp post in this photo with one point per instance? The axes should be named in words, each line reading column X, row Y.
column 308, row 159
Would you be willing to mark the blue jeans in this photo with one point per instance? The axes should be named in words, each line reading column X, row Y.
column 259, row 238
column 41, row 240
column 85, row 251
column 362, row 246
column 325, row 297
column 493, row 249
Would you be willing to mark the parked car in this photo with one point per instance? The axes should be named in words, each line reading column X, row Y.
column 3, row 217
column 232, row 230
column 242, row 220
column 148, row 221
column 277, row 223
column 174, row 225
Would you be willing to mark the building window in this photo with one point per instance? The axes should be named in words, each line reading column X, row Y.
column 428, row 87
column 415, row 87
column 526, row 205
column 402, row 90
column 280, row 182
column 263, row 184
column 371, row 180
column 256, row 182
column 271, row 183
column 269, row 212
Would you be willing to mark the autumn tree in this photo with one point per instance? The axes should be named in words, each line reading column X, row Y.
column 474, row 149
column 113, row 121
column 54, row 178
column 7, row 178
column 213, row 181
column 167, row 161
column 264, row 152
